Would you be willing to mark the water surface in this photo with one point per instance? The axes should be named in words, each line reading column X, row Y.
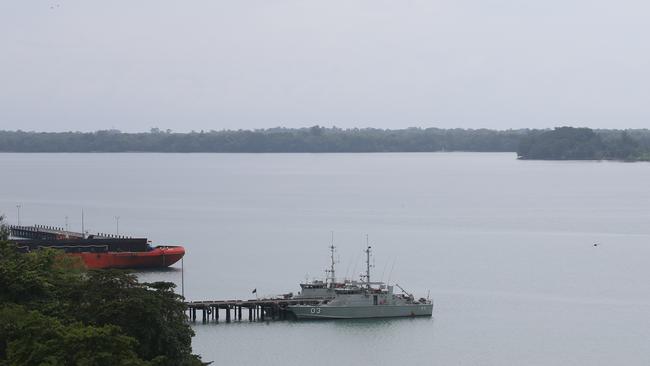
column 504, row 246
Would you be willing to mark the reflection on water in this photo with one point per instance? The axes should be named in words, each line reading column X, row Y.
column 368, row 324
column 160, row 274
column 148, row 271
column 315, row 342
column 377, row 323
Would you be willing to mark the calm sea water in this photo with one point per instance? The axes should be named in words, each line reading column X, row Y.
column 504, row 246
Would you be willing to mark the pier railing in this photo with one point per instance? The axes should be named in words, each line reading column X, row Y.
column 44, row 232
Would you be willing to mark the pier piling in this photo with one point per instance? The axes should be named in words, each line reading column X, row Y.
column 258, row 309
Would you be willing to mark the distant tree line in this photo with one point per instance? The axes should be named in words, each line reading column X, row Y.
column 568, row 143
column 312, row 139
column 560, row 143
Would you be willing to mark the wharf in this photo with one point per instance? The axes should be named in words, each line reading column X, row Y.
column 39, row 236
column 44, row 232
column 258, row 309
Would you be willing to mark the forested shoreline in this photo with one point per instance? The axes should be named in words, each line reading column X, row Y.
column 567, row 143
column 311, row 139
column 562, row 143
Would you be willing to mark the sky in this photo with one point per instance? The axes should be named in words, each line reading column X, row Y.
column 209, row 64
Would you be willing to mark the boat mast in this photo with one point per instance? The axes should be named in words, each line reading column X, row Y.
column 368, row 264
column 83, row 229
column 332, row 274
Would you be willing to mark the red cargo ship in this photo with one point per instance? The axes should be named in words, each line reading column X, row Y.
column 100, row 250
column 158, row 257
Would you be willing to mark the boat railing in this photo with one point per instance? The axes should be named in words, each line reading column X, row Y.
column 79, row 249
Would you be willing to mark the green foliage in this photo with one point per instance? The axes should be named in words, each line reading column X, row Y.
column 568, row 143
column 150, row 312
column 561, row 144
column 53, row 313
column 644, row 157
column 26, row 279
column 312, row 139
column 32, row 338
column 4, row 231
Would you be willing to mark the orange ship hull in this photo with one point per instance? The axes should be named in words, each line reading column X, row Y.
column 158, row 257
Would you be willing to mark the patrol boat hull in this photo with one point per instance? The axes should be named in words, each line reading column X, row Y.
column 360, row 312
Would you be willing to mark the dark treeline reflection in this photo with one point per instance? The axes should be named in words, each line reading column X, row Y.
column 561, row 143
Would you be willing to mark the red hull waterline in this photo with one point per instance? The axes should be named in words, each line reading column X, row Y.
column 158, row 257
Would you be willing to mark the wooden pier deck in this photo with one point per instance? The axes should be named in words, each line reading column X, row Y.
column 258, row 309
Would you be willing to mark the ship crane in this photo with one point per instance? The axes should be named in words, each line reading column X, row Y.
column 404, row 291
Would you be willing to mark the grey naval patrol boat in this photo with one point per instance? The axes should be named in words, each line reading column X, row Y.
column 357, row 299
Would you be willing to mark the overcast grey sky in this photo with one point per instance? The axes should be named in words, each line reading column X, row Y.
column 133, row 65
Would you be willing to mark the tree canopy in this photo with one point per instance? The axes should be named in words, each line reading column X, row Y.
column 568, row 143
column 53, row 312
